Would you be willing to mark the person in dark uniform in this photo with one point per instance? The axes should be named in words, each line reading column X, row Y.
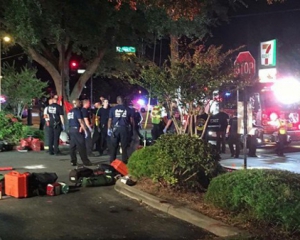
column 221, row 133
column 86, row 114
column 119, row 127
column 137, row 117
column 103, row 115
column 96, row 135
column 233, row 137
column 56, row 125
column 78, row 133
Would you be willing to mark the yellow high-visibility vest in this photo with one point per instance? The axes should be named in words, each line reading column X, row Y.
column 282, row 126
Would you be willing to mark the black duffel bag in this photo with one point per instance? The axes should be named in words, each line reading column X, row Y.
column 37, row 183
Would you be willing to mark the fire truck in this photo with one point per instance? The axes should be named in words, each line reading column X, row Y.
column 267, row 103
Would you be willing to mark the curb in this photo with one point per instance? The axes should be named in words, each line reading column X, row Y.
column 216, row 227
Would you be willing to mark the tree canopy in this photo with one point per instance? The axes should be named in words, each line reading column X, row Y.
column 54, row 31
column 21, row 87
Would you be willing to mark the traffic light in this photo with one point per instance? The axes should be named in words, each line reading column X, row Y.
column 74, row 65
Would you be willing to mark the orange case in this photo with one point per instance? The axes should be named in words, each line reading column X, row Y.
column 16, row 184
column 120, row 167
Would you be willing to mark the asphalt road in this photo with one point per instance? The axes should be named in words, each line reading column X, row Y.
column 84, row 213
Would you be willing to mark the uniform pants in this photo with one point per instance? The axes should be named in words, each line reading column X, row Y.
column 46, row 137
column 252, row 145
column 221, row 141
column 234, row 139
column 77, row 142
column 156, row 131
column 120, row 135
column 54, row 134
column 137, row 128
column 96, row 139
column 282, row 138
column 103, row 139
column 89, row 143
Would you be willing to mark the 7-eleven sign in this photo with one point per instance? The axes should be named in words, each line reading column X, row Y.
column 268, row 53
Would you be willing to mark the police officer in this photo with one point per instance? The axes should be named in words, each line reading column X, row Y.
column 56, row 125
column 86, row 114
column 78, row 133
column 221, row 133
column 233, row 137
column 119, row 126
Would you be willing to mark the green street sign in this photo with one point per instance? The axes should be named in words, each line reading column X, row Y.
column 126, row 49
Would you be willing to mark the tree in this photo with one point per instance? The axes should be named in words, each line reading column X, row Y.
column 21, row 87
column 53, row 31
column 191, row 79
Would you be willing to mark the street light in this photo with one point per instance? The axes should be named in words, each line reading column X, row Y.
column 5, row 39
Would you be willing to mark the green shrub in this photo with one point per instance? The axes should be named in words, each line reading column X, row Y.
column 11, row 129
column 141, row 162
column 186, row 161
column 34, row 132
column 178, row 161
column 272, row 196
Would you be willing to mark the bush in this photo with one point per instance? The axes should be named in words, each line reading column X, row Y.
column 141, row 162
column 31, row 131
column 186, row 161
column 11, row 129
column 177, row 160
column 272, row 196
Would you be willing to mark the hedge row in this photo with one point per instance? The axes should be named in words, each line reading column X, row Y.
column 272, row 196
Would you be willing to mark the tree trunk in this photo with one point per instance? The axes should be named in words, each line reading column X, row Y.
column 174, row 48
column 56, row 73
column 86, row 75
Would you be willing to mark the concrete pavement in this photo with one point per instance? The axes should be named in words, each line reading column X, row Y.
column 84, row 213
column 41, row 162
column 291, row 162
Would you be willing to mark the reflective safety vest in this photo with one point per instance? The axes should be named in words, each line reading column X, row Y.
column 156, row 114
column 282, row 129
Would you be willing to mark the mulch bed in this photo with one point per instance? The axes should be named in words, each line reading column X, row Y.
column 195, row 201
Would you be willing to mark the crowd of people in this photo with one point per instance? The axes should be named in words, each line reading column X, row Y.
column 224, row 126
column 103, row 129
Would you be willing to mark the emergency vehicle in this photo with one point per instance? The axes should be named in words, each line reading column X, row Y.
column 268, row 102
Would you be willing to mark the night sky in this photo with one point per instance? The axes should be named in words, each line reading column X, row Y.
column 262, row 22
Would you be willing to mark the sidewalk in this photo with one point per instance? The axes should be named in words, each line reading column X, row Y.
column 291, row 162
